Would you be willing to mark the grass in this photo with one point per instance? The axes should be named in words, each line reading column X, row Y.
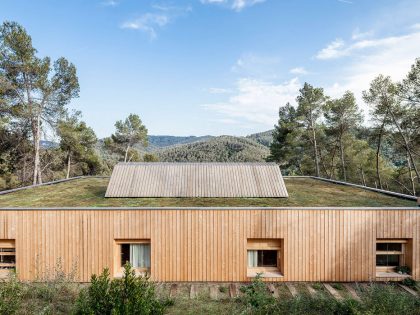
column 89, row 192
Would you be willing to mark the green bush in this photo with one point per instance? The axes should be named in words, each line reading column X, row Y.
column 409, row 282
column 257, row 299
column 128, row 295
column 11, row 291
column 380, row 299
column 405, row 270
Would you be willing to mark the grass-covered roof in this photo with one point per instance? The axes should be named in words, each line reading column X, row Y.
column 305, row 192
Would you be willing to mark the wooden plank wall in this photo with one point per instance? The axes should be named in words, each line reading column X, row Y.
column 209, row 245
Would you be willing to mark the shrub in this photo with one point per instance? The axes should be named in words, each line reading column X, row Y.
column 257, row 299
column 11, row 291
column 222, row 289
column 380, row 299
column 409, row 282
column 405, row 270
column 128, row 295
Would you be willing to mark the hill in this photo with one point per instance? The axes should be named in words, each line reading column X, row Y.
column 265, row 138
column 216, row 149
column 166, row 141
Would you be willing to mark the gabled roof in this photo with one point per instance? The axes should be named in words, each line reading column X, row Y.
column 196, row 180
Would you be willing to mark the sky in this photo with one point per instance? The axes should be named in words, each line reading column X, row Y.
column 199, row 67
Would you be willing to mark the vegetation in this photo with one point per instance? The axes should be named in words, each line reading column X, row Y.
column 90, row 192
column 129, row 295
column 326, row 137
column 217, row 149
column 59, row 294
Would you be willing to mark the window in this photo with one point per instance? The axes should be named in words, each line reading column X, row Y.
column 7, row 256
column 390, row 254
column 135, row 252
column 264, row 256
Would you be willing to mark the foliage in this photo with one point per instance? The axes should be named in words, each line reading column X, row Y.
column 11, row 293
column 403, row 270
column 217, row 149
column 128, row 133
column 129, row 295
column 33, row 90
column 409, row 282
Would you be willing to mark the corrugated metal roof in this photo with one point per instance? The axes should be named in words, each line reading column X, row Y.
column 196, row 180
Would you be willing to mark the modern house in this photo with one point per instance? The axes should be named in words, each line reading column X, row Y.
column 210, row 222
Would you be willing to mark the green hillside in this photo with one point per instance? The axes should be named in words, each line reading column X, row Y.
column 217, row 149
column 265, row 138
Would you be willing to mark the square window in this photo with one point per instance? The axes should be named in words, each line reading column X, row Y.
column 264, row 256
column 135, row 252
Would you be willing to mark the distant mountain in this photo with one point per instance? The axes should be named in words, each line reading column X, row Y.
column 215, row 149
column 265, row 138
column 166, row 141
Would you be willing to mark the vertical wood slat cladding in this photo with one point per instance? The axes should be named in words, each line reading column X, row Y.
column 209, row 245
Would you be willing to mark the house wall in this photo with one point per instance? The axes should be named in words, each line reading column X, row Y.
column 209, row 245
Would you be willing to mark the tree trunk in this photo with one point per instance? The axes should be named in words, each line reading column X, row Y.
column 378, row 152
column 410, row 175
column 126, row 153
column 36, row 126
column 363, row 176
column 68, row 165
column 407, row 147
column 343, row 165
column 315, row 148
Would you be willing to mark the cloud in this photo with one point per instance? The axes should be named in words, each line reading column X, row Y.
column 298, row 70
column 357, row 34
column 256, row 101
column 333, row 50
column 110, row 3
column 218, row 91
column 345, row 1
column 391, row 56
column 415, row 26
column 151, row 22
column 338, row 48
column 236, row 5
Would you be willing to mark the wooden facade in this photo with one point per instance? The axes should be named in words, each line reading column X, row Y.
column 209, row 244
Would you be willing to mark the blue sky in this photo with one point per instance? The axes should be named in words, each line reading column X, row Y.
column 217, row 66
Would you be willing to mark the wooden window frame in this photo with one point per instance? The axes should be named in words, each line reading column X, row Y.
column 266, row 244
column 401, row 254
column 118, row 268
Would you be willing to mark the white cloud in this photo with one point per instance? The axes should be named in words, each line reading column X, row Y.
column 391, row 56
column 256, row 101
column 151, row 22
column 299, row 70
column 111, row 3
column 333, row 50
column 236, row 5
column 338, row 48
column 218, row 91
column 357, row 34
column 147, row 23
column 415, row 26
column 345, row 1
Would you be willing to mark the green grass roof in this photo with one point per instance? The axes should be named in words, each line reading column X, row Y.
column 305, row 192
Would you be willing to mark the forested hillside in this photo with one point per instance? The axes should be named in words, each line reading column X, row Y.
column 217, row 149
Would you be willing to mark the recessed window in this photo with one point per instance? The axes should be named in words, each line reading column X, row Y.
column 7, row 256
column 390, row 253
column 135, row 252
column 264, row 256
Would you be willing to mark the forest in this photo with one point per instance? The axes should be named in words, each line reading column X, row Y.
column 321, row 136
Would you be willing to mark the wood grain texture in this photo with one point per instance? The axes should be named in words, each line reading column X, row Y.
column 209, row 244
column 196, row 180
